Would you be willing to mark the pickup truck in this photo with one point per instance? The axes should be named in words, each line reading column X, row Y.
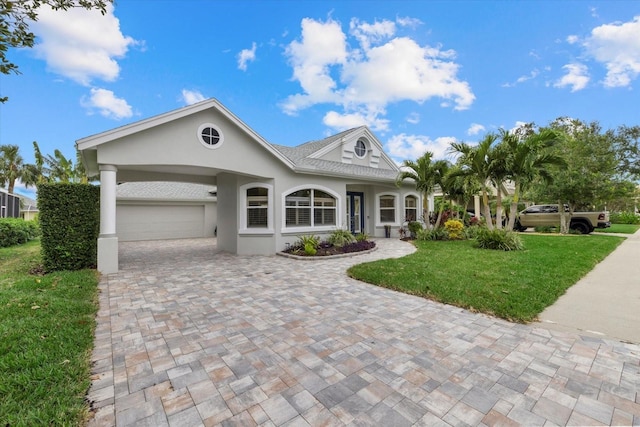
column 548, row 215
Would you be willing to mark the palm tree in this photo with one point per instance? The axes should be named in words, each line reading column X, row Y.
column 476, row 161
column 528, row 158
column 441, row 179
column 423, row 173
column 12, row 167
column 461, row 187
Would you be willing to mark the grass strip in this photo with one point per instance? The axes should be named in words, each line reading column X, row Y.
column 619, row 228
column 47, row 326
column 516, row 286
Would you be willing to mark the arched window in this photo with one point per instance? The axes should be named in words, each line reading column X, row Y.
column 310, row 207
column 410, row 208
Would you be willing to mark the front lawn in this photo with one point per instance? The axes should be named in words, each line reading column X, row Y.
column 46, row 336
column 516, row 285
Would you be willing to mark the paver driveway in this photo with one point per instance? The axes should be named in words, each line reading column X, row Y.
column 187, row 336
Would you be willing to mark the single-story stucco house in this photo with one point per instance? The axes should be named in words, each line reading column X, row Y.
column 9, row 205
column 267, row 195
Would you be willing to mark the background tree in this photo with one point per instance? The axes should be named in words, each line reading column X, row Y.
column 15, row 17
column 423, row 173
column 586, row 180
column 12, row 167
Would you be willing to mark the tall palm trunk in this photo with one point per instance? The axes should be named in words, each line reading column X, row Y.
column 487, row 210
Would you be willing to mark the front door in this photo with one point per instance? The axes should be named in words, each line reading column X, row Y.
column 355, row 214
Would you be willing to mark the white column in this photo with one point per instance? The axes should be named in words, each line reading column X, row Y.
column 108, row 241
column 476, row 206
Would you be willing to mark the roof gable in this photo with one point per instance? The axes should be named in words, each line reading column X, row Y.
column 88, row 145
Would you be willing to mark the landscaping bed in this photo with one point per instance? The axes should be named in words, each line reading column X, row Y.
column 326, row 249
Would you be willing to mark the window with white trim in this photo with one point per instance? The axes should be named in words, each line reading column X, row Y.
column 257, row 207
column 387, row 209
column 410, row 208
column 310, row 208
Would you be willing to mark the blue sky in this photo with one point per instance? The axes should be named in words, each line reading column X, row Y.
column 420, row 74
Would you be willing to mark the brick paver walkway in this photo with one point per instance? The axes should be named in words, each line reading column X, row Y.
column 189, row 337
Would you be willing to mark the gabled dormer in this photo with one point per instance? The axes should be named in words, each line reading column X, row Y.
column 355, row 146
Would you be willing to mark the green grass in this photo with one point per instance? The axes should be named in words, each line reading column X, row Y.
column 619, row 228
column 515, row 285
column 46, row 336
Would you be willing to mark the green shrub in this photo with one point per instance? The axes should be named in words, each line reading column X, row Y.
column 624, row 218
column 455, row 229
column 471, row 232
column 16, row 231
column 414, row 228
column 70, row 224
column 310, row 248
column 362, row 237
column 341, row 237
column 502, row 240
column 311, row 240
column 432, row 234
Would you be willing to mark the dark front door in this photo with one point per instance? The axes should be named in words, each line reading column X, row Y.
column 355, row 211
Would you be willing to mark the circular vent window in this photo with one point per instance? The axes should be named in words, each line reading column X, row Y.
column 210, row 135
column 361, row 148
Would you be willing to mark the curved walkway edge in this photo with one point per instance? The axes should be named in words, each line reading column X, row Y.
column 606, row 302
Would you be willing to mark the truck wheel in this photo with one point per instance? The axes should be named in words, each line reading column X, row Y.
column 580, row 227
column 518, row 227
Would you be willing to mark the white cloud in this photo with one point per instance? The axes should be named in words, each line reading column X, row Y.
column 81, row 44
column 107, row 104
column 413, row 118
column 577, row 77
column 573, row 39
column 410, row 147
column 617, row 46
column 385, row 68
column 475, row 129
column 532, row 75
column 245, row 56
column 346, row 121
column 192, row 96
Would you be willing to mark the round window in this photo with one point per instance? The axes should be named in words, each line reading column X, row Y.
column 210, row 135
column 361, row 148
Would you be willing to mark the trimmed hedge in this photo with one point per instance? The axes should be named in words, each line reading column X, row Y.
column 70, row 223
column 16, row 231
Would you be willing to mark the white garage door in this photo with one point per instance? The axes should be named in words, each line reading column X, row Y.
column 155, row 222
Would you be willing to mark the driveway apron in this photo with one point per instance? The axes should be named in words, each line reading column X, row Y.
column 188, row 336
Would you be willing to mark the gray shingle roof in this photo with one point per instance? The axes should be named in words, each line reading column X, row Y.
column 300, row 157
column 165, row 190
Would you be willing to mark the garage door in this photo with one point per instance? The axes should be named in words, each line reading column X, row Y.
column 155, row 222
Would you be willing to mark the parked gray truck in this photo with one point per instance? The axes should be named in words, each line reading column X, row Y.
column 548, row 215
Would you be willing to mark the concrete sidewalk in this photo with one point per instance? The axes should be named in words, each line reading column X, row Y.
column 606, row 302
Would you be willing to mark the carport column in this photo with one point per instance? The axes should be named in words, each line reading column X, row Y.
column 108, row 241
column 476, row 206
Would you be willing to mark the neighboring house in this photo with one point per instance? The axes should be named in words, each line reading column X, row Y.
column 29, row 210
column 267, row 195
column 9, row 205
column 165, row 210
